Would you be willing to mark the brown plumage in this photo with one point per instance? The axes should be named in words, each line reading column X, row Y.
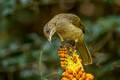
column 69, row 27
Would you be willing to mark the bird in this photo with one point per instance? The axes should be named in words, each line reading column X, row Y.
column 69, row 26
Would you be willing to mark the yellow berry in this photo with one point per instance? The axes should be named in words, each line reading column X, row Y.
column 74, row 51
column 74, row 79
column 81, row 79
column 60, row 49
column 70, row 49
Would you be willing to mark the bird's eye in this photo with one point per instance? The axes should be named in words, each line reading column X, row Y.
column 47, row 31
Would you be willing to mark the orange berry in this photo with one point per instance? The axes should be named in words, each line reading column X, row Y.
column 79, row 70
column 65, row 55
column 74, row 74
column 78, row 76
column 59, row 55
column 75, row 60
column 65, row 52
column 64, row 74
column 65, row 62
column 63, row 66
column 70, row 76
column 62, row 55
column 80, row 73
column 62, row 49
column 62, row 59
column 70, row 50
column 80, row 60
column 65, row 48
column 69, row 70
column 59, row 52
column 88, row 79
column 83, row 76
column 62, row 52
column 62, row 62
column 90, row 76
column 64, row 78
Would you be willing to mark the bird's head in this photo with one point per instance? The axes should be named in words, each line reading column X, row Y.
column 49, row 31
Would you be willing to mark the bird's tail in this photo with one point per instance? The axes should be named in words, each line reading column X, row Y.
column 84, row 52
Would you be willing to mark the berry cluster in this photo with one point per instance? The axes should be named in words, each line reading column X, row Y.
column 63, row 55
column 70, row 61
column 79, row 75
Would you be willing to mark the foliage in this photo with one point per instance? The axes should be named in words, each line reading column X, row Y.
column 26, row 54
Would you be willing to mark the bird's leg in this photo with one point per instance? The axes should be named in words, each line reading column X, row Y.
column 72, row 43
column 71, row 46
column 61, row 38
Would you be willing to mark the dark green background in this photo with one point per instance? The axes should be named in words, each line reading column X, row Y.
column 25, row 53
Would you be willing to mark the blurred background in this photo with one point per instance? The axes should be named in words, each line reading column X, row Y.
column 25, row 53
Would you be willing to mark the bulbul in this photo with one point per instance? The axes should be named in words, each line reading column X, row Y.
column 69, row 27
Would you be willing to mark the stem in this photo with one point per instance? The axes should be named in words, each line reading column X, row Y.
column 40, row 62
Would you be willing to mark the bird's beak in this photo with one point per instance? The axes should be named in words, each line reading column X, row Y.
column 49, row 38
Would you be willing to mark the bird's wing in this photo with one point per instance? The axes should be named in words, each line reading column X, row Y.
column 81, row 25
column 75, row 20
column 72, row 18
